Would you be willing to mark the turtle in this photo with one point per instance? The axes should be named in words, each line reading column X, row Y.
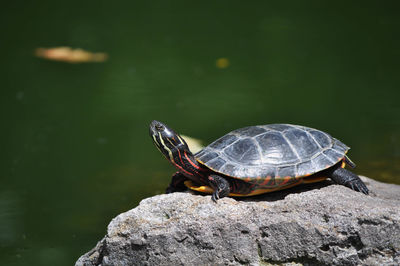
column 255, row 160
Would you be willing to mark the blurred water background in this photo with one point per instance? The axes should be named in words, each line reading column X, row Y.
column 75, row 149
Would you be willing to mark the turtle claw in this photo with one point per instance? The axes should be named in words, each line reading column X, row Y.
column 356, row 184
column 215, row 196
column 361, row 187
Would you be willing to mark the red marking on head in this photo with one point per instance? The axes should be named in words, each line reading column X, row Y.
column 180, row 157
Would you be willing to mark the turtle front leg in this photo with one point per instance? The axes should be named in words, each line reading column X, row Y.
column 220, row 185
column 349, row 179
column 177, row 183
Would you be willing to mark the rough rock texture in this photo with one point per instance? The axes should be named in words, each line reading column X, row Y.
column 319, row 224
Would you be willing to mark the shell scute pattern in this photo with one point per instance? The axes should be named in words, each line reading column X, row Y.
column 301, row 138
column 251, row 131
column 224, row 141
column 289, row 170
column 331, row 153
column 305, row 168
column 277, row 150
column 245, row 151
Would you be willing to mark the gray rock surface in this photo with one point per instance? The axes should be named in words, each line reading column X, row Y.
column 317, row 224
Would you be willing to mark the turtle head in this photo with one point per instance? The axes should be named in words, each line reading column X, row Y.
column 166, row 140
column 175, row 149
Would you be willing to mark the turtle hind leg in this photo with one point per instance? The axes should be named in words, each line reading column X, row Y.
column 349, row 179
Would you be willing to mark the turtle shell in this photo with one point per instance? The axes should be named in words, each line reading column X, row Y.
column 276, row 150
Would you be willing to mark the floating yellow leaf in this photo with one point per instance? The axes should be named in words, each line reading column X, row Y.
column 222, row 62
column 69, row 55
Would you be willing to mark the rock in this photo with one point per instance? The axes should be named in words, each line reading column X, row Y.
column 320, row 223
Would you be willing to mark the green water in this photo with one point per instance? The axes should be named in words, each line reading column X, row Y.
column 74, row 138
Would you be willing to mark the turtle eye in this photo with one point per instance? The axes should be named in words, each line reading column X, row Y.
column 159, row 127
